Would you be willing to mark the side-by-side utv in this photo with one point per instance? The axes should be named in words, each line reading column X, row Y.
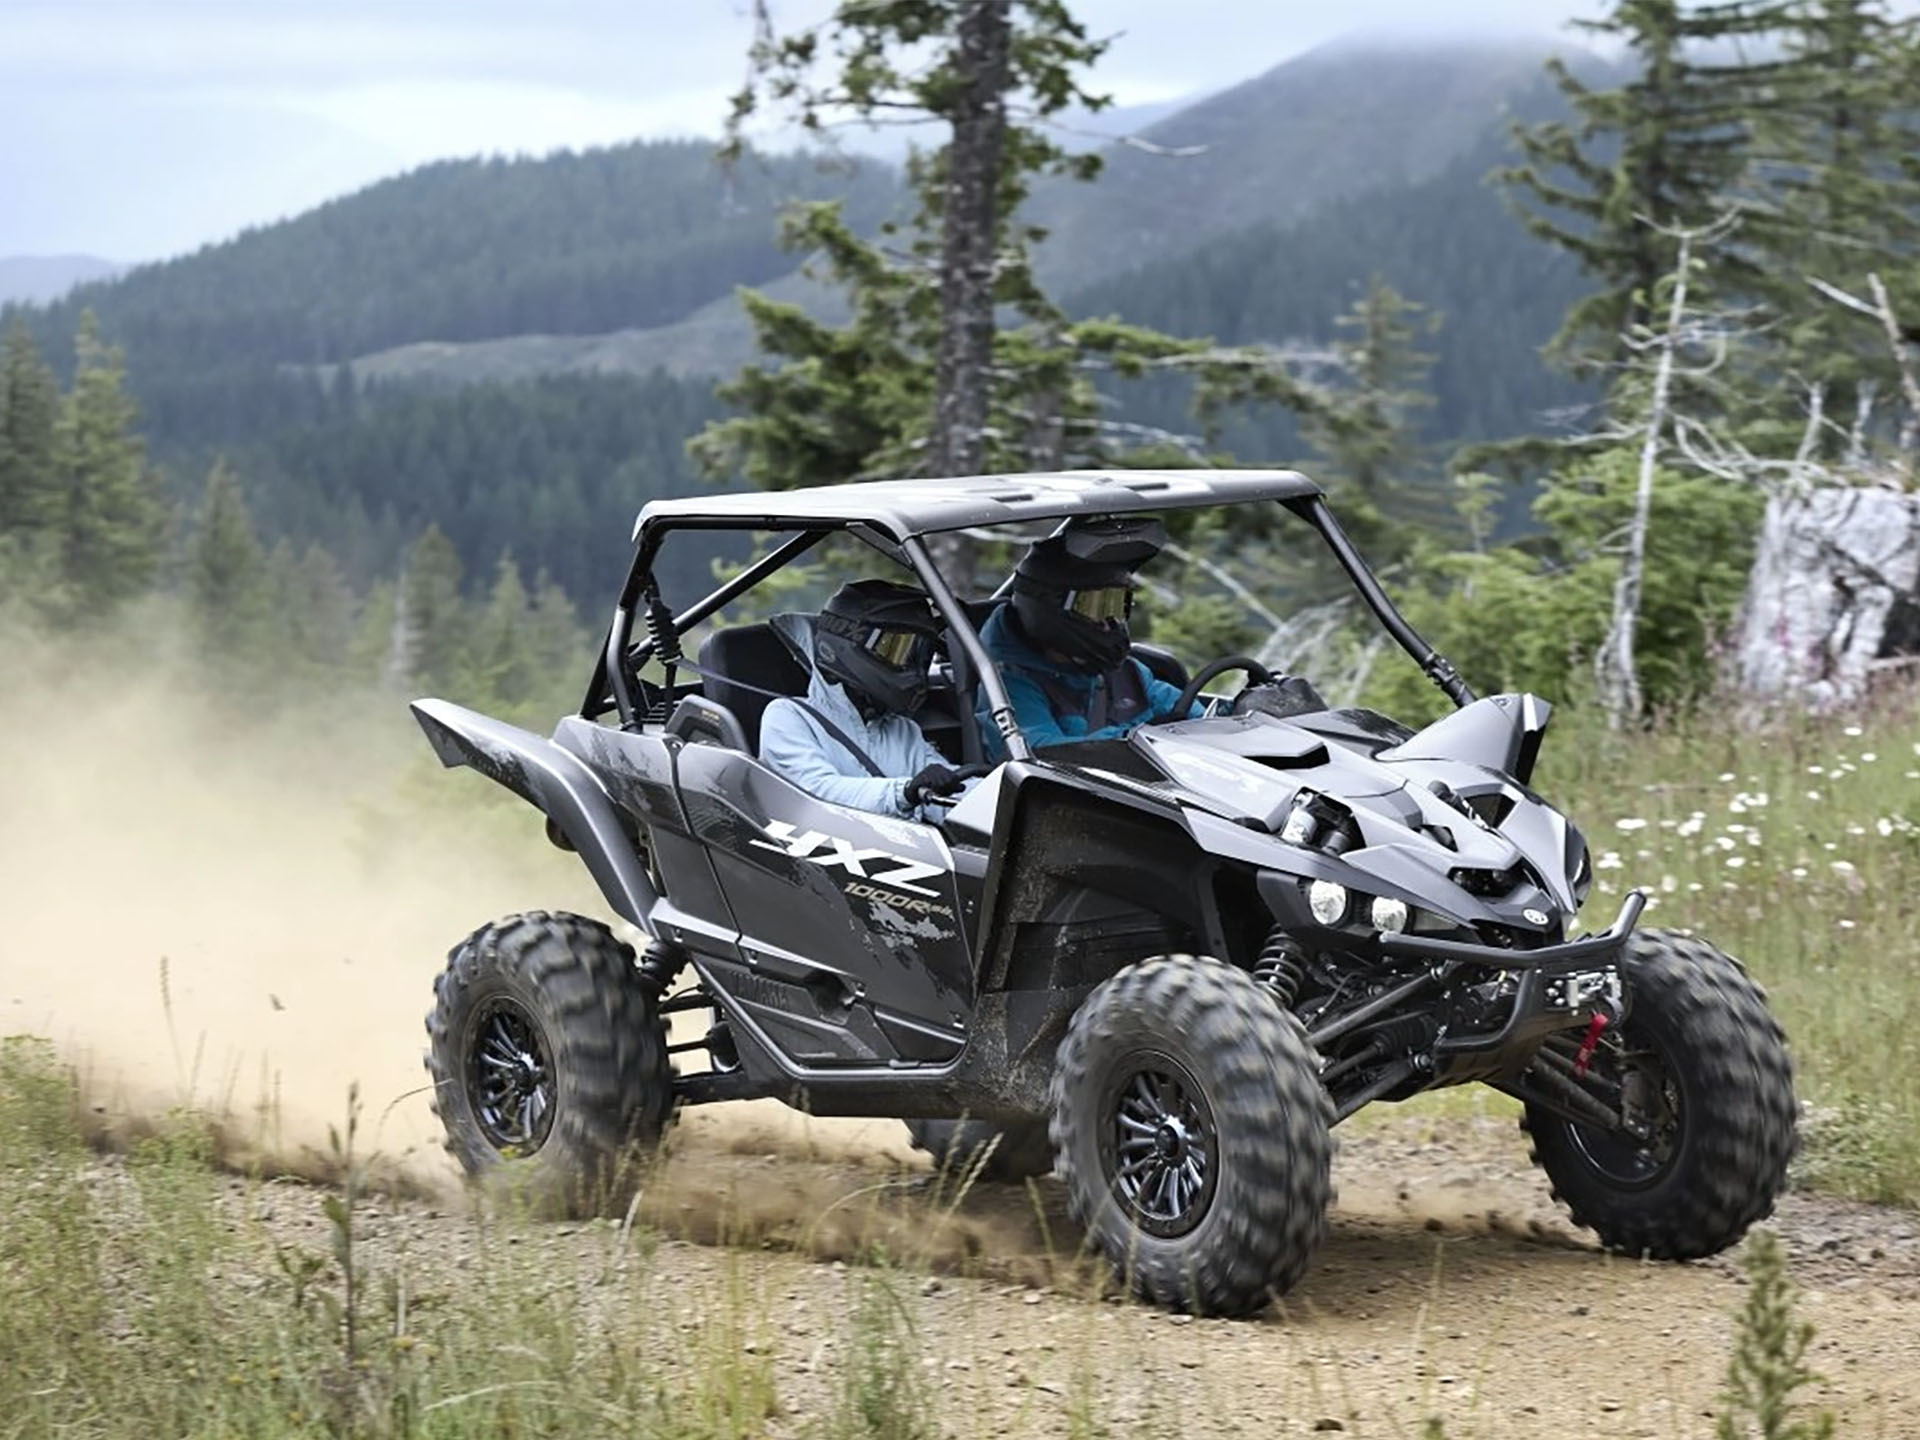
column 1162, row 967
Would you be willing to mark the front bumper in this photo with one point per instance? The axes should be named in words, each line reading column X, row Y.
column 1563, row 959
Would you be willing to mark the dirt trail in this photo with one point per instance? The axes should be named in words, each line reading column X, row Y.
column 303, row 898
column 1449, row 1286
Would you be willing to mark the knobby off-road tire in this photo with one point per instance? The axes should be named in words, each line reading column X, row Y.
column 1180, row 1058
column 1022, row 1152
column 549, row 1063
column 1717, row 1079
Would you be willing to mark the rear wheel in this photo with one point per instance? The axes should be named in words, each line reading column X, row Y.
column 549, row 1062
column 1701, row 1069
column 1193, row 1135
column 1020, row 1151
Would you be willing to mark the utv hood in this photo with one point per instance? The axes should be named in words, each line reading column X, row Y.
column 1441, row 820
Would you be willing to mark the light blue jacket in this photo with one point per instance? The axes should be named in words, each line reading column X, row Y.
column 793, row 743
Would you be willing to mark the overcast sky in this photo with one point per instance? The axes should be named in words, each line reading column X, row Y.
column 135, row 129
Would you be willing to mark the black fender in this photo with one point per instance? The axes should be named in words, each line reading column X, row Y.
column 558, row 785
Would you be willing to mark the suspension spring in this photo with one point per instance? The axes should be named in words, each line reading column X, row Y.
column 1281, row 967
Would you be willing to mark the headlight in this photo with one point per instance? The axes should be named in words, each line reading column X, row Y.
column 1389, row 915
column 1327, row 899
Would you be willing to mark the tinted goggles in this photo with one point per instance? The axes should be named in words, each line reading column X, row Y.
column 901, row 649
column 1111, row 602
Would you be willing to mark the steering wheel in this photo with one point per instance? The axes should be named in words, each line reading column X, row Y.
column 1257, row 674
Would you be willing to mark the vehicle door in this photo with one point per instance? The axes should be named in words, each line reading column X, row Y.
column 853, row 945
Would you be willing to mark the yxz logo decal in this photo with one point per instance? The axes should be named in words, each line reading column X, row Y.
column 830, row 851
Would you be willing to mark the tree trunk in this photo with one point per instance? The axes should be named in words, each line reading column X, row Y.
column 1834, row 597
column 969, row 242
column 969, row 249
column 1619, row 674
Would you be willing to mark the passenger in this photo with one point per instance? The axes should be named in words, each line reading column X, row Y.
column 852, row 741
column 1061, row 642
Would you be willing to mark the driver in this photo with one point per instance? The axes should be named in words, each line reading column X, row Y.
column 851, row 741
column 1061, row 642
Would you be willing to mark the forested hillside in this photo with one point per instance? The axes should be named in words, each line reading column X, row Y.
column 1449, row 243
column 539, row 338
column 570, row 244
column 1344, row 120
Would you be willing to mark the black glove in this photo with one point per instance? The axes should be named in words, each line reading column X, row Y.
column 1281, row 696
column 941, row 780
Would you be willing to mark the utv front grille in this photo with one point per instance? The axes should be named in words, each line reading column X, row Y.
column 1489, row 884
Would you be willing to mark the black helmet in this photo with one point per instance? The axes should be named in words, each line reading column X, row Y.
column 876, row 638
column 1073, row 591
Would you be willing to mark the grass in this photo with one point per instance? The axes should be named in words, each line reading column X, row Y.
column 1795, row 847
column 147, row 1295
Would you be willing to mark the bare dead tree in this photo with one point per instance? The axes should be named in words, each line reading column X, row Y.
column 1881, row 310
column 1615, row 666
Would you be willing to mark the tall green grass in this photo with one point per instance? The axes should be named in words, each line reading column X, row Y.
column 1794, row 845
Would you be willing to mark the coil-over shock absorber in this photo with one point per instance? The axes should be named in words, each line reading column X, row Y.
column 665, row 636
column 1281, row 967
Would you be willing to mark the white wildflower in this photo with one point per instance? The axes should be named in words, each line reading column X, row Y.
column 1631, row 822
column 1846, row 924
column 1730, row 777
column 1694, row 887
column 1816, row 769
column 1852, row 730
column 1668, row 884
column 1799, row 872
column 1844, row 867
column 1867, row 757
column 1734, row 862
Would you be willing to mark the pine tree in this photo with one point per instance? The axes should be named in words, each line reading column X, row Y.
column 29, row 417
column 313, row 612
column 1368, row 430
column 969, row 66
column 109, row 525
column 1668, row 148
column 429, row 627
column 227, row 583
column 1841, row 201
column 499, row 665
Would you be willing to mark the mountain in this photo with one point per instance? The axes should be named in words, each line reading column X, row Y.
column 635, row 235
column 1339, row 121
column 517, row 350
column 1448, row 243
column 37, row 279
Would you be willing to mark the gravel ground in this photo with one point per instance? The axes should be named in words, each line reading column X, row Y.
column 1450, row 1285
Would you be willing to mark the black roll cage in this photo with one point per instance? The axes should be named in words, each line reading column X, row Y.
column 621, row 657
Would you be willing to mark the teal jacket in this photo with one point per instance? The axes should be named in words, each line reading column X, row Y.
column 1023, row 669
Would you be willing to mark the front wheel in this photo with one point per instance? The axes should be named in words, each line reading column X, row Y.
column 549, row 1062
column 1193, row 1135
column 1701, row 1070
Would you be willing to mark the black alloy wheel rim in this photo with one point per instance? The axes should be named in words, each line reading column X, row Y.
column 1159, row 1148
column 510, row 1077
column 1650, row 1091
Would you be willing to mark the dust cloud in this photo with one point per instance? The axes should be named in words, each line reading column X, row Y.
column 204, row 907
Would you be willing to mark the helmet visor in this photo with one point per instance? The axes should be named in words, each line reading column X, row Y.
column 900, row 649
column 1111, row 602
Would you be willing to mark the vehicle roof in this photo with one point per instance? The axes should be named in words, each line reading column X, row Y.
column 903, row 508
